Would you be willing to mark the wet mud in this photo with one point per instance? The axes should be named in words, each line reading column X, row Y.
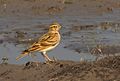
column 107, row 69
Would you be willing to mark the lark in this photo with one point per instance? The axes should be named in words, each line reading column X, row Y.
column 45, row 43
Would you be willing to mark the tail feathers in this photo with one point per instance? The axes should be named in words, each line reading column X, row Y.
column 26, row 52
column 23, row 54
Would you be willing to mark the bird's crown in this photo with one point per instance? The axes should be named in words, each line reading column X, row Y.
column 55, row 26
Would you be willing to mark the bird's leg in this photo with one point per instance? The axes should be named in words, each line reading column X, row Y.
column 46, row 57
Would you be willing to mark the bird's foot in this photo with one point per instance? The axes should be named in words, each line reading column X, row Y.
column 49, row 61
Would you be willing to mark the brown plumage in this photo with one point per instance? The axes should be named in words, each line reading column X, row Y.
column 45, row 43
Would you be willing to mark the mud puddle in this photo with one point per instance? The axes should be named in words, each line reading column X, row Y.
column 79, row 37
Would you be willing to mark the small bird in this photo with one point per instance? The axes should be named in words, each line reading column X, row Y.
column 45, row 43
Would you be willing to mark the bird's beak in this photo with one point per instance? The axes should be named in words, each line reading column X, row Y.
column 59, row 27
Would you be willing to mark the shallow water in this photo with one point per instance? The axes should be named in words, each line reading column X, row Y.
column 81, row 40
column 59, row 53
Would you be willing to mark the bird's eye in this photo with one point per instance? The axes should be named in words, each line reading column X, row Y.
column 55, row 26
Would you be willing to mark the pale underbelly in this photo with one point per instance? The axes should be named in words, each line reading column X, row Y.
column 49, row 48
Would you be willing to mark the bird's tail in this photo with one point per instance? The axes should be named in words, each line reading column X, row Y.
column 23, row 54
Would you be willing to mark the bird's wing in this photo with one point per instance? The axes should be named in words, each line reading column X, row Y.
column 49, row 39
column 37, row 43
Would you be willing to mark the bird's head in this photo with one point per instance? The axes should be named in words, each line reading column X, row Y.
column 54, row 27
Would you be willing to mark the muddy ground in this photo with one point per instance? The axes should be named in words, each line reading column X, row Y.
column 90, row 28
column 107, row 69
column 57, row 7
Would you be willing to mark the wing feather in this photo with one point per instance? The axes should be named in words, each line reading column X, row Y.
column 49, row 39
